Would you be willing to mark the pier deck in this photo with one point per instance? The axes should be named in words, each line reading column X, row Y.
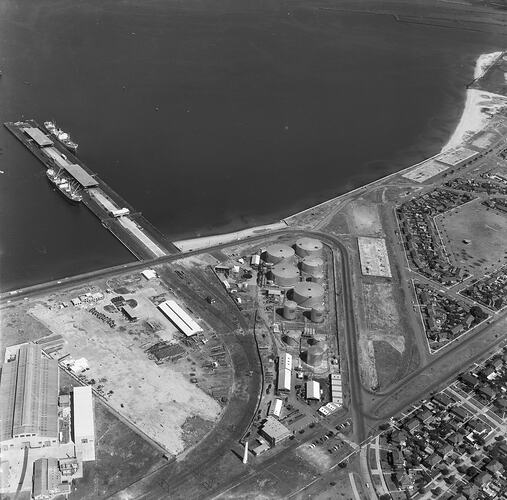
column 140, row 237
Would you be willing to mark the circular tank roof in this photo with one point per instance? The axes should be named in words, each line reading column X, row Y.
column 308, row 246
column 283, row 270
column 308, row 289
column 278, row 252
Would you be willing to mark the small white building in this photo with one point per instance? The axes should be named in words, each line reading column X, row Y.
column 84, row 423
column 285, row 361
column 149, row 274
column 255, row 260
column 277, row 407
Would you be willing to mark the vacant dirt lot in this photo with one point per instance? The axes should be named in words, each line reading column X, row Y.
column 157, row 398
column 380, row 323
column 363, row 219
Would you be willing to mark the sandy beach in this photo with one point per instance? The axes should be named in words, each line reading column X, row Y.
column 479, row 105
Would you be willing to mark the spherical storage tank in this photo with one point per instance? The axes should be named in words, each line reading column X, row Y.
column 308, row 247
column 284, row 274
column 278, row 252
column 317, row 314
column 289, row 310
column 308, row 294
column 315, row 355
column 312, row 265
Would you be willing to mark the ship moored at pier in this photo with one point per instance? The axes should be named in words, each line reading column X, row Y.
column 63, row 137
column 69, row 188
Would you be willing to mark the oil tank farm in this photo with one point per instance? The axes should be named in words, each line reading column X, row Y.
column 306, row 247
column 284, row 274
column 312, row 265
column 315, row 355
column 317, row 314
column 308, row 294
column 289, row 310
column 278, row 253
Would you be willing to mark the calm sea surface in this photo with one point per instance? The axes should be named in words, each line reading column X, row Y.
column 211, row 116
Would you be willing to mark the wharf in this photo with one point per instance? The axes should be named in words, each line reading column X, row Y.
column 140, row 237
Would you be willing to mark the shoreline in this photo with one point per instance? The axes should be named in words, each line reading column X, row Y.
column 473, row 119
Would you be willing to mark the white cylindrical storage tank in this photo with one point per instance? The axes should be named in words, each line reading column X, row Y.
column 278, row 252
column 317, row 278
column 317, row 314
column 312, row 265
column 289, row 310
column 308, row 247
column 308, row 294
column 284, row 274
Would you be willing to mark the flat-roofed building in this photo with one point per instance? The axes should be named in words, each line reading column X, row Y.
column 38, row 136
column 274, row 431
column 313, row 390
column 84, row 424
column 180, row 318
column 29, row 400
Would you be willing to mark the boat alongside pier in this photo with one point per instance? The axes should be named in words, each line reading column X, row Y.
column 72, row 178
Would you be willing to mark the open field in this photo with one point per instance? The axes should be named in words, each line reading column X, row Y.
column 486, row 231
column 122, row 455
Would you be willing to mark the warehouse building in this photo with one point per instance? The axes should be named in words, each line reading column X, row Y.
column 284, row 379
column 180, row 318
column 285, row 361
column 29, row 396
column 274, row 431
column 313, row 390
column 47, row 480
column 84, row 424
column 276, row 407
column 336, row 388
column 285, row 372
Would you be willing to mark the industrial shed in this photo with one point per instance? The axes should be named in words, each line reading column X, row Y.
column 38, row 136
column 313, row 390
column 84, row 424
column 284, row 379
column 29, row 398
column 180, row 318
column 81, row 175
column 274, row 431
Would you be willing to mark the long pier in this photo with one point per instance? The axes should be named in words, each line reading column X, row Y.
column 129, row 226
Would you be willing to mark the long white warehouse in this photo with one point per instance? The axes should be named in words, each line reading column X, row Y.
column 84, row 426
column 180, row 318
